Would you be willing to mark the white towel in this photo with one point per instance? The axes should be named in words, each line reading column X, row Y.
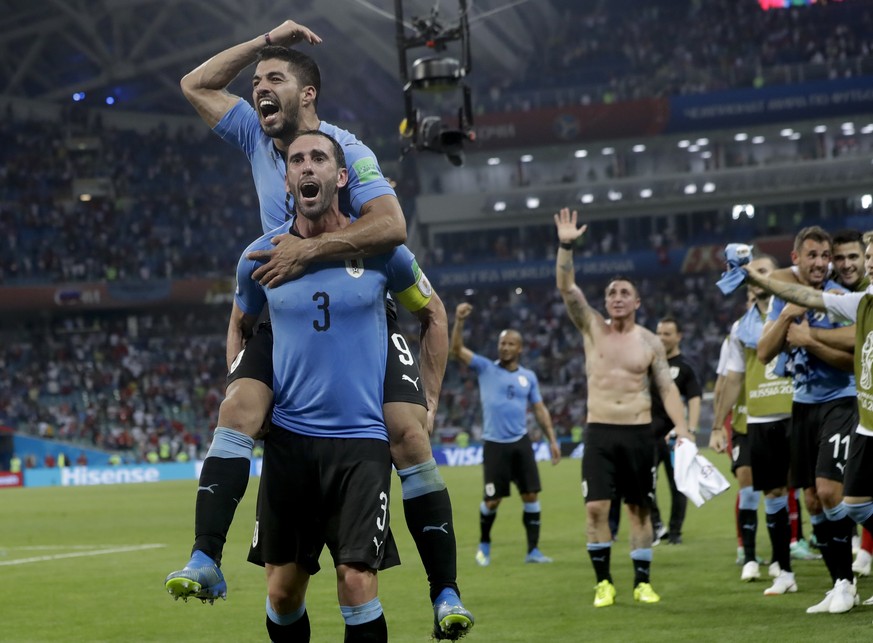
column 696, row 476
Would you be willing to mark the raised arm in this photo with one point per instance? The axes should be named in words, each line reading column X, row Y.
column 458, row 350
column 544, row 419
column 578, row 308
column 205, row 87
column 434, row 353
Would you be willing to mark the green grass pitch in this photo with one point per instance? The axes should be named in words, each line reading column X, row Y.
column 96, row 587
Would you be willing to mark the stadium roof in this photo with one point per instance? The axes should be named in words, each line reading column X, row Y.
column 135, row 51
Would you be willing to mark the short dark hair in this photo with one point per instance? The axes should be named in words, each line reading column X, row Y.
column 338, row 153
column 304, row 67
column 848, row 235
column 813, row 232
column 669, row 319
column 623, row 278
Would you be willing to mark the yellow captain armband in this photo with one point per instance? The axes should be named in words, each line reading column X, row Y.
column 418, row 295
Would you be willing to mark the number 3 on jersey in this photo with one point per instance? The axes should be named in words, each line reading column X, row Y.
column 322, row 324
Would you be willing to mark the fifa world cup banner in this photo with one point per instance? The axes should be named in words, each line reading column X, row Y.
column 746, row 107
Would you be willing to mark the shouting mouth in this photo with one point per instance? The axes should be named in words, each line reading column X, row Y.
column 269, row 110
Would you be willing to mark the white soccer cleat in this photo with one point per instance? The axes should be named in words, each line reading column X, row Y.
column 844, row 596
column 774, row 570
column 751, row 572
column 822, row 607
column 784, row 583
column 862, row 563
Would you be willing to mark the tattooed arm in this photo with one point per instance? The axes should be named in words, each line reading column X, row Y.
column 660, row 369
column 795, row 293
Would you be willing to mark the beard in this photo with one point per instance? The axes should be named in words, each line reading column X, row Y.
column 285, row 127
column 314, row 211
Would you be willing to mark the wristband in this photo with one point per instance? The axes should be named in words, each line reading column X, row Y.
column 566, row 246
column 267, row 38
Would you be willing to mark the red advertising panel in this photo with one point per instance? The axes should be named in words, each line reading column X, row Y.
column 577, row 123
column 8, row 479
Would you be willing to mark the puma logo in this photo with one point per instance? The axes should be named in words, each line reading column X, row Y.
column 209, row 488
column 441, row 528
column 414, row 382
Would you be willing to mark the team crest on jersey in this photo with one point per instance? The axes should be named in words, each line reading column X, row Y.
column 523, row 381
column 355, row 267
column 674, row 372
column 866, row 358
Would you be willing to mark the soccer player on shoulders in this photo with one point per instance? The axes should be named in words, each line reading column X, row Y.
column 285, row 90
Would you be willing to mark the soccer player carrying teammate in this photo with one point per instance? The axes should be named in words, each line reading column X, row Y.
column 824, row 412
column 286, row 84
column 619, row 456
column 768, row 416
column 683, row 375
column 326, row 475
column 507, row 389
column 856, row 307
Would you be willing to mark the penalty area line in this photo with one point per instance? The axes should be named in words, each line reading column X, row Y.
column 79, row 554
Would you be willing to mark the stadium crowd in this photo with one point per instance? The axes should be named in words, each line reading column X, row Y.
column 134, row 382
column 619, row 50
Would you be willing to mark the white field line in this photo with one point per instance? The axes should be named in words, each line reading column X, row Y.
column 79, row 554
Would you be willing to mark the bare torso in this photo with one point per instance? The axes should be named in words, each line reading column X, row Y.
column 618, row 366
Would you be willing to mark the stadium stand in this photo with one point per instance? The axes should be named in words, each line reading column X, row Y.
column 85, row 201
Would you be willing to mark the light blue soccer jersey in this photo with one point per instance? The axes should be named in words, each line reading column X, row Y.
column 815, row 381
column 505, row 397
column 330, row 338
column 240, row 127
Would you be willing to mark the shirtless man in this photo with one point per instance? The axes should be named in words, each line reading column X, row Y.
column 619, row 457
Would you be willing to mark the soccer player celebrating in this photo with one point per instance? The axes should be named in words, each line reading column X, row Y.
column 507, row 389
column 619, row 457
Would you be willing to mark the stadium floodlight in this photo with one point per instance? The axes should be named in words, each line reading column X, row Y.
column 639, row 147
column 608, row 151
column 757, row 140
column 709, row 187
column 702, row 142
column 786, row 132
column 690, row 189
column 494, row 161
column 739, row 137
column 587, row 198
column 526, row 158
column 866, row 201
column 614, row 195
column 532, row 202
column 646, row 193
column 683, row 143
column 499, row 206
column 580, row 154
